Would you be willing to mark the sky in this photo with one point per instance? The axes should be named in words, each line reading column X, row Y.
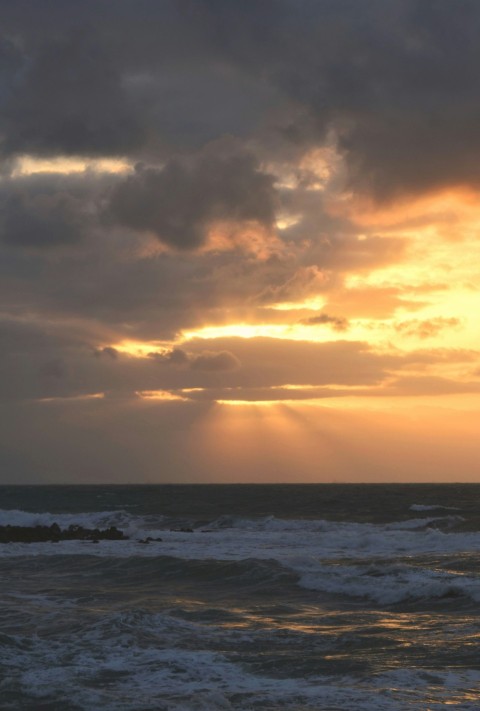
column 239, row 241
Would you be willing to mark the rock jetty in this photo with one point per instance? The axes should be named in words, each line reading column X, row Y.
column 53, row 533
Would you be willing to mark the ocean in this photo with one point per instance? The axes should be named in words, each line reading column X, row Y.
column 300, row 597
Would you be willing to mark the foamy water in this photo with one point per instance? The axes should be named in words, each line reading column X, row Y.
column 241, row 612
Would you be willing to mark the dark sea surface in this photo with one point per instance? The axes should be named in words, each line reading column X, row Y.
column 331, row 597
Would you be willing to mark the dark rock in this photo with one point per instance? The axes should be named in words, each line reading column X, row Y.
column 53, row 533
column 149, row 539
column 182, row 530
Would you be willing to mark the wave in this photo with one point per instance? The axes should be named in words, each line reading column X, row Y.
column 96, row 519
column 380, row 582
column 150, row 573
column 271, row 523
column 236, row 538
column 147, row 522
column 134, row 661
column 432, row 507
column 389, row 584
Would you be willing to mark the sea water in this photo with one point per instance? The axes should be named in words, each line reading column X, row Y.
column 354, row 598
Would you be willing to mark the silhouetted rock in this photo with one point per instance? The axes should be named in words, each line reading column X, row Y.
column 149, row 539
column 182, row 530
column 53, row 533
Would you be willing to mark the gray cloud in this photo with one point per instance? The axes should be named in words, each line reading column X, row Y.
column 177, row 356
column 53, row 368
column 107, row 351
column 395, row 79
column 340, row 324
column 41, row 220
column 48, row 210
column 207, row 361
column 211, row 362
column 180, row 201
column 212, row 100
column 43, row 360
column 68, row 99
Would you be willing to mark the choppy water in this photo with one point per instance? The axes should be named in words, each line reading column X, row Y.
column 281, row 597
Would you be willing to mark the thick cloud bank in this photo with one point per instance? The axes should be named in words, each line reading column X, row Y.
column 210, row 201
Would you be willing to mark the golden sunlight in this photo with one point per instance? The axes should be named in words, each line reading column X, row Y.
column 165, row 395
column 292, row 332
column 138, row 349
column 30, row 165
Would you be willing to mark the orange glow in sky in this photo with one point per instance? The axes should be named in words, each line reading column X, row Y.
column 283, row 278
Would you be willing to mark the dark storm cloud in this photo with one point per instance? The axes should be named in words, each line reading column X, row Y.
column 119, row 79
column 48, row 210
column 68, row 99
column 180, row 201
column 40, row 220
column 395, row 79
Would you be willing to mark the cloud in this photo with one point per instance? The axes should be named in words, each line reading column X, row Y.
column 430, row 385
column 49, row 210
column 45, row 359
column 297, row 284
column 68, row 99
column 212, row 362
column 107, row 351
column 269, row 140
column 177, row 356
column 41, row 220
column 207, row 361
column 180, row 202
column 426, row 328
column 53, row 368
column 339, row 324
column 397, row 89
column 270, row 362
column 31, row 347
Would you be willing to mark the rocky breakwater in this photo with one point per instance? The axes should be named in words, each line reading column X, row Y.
column 55, row 534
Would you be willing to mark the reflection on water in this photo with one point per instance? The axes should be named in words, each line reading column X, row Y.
column 244, row 612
